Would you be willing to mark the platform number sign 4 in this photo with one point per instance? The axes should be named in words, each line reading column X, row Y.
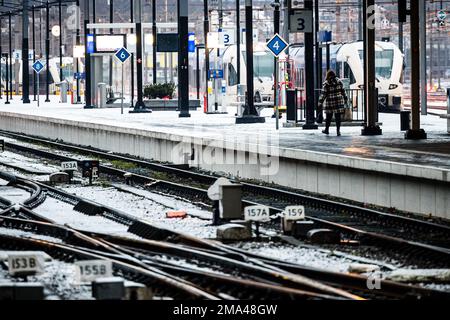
column 122, row 55
column 257, row 213
column 277, row 45
column 294, row 213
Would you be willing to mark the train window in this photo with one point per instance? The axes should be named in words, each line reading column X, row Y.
column 348, row 73
column 232, row 75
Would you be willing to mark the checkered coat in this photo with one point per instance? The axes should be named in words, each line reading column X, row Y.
column 333, row 97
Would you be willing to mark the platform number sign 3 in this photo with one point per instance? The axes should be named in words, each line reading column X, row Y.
column 257, row 213
column 277, row 45
column 301, row 21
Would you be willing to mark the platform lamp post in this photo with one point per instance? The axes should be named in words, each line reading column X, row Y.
column 370, row 93
column 238, row 43
column 183, row 59
column 47, row 52
column 111, row 31
column 250, row 115
column 139, row 107
column 276, row 30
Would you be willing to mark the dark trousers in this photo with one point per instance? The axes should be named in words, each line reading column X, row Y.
column 337, row 117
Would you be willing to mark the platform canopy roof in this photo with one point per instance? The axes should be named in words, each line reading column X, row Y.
column 16, row 6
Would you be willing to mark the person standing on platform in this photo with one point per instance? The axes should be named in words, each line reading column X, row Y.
column 333, row 100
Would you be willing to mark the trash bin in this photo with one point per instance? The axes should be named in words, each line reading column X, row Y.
column 63, row 88
column 101, row 95
column 405, row 117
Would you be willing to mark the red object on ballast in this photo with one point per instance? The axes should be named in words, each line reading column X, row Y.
column 176, row 214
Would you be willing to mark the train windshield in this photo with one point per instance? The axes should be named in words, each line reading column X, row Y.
column 383, row 62
column 263, row 64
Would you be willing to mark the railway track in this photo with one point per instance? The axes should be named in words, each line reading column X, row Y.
column 424, row 242
column 228, row 271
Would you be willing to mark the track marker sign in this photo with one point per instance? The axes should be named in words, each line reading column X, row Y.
column 277, row 45
column 257, row 213
column 294, row 213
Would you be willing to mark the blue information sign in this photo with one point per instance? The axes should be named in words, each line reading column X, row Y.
column 191, row 42
column 38, row 66
column 90, row 43
column 215, row 74
column 123, row 55
column 325, row 36
column 277, row 45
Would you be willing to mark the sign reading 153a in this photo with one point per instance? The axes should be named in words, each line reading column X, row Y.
column 257, row 213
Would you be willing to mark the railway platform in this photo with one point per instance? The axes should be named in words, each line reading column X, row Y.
column 387, row 170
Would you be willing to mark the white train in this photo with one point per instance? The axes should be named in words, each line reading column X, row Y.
column 345, row 59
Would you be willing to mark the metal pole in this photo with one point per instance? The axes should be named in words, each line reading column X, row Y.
column 25, row 47
column 183, row 59
column 111, row 31
column 34, row 54
column 205, row 34
column 10, row 57
column 87, row 67
column 123, row 80
column 47, row 53
column 132, row 54
column 78, row 42
column 7, row 78
column 360, row 20
column 276, row 29
column 370, row 126
column 197, row 73
column 309, row 75
column 1, row 56
column 400, row 36
column 318, row 73
column 238, row 42
column 154, row 34
column 61, row 74
column 139, row 106
column 415, row 132
column 423, row 58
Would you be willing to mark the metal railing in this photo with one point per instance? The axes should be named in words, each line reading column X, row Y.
column 355, row 105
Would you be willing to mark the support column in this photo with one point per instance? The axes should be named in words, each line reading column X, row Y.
column 318, row 73
column 47, row 53
column 309, row 76
column 34, row 54
column 370, row 96
column 250, row 114
column 276, row 29
column 238, row 42
column 25, row 49
column 183, row 59
column 132, row 54
column 87, row 67
column 415, row 132
column 139, row 106
column 205, row 34
column 154, row 34
column 61, row 74
column 78, row 42
column 111, row 31
column 423, row 57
